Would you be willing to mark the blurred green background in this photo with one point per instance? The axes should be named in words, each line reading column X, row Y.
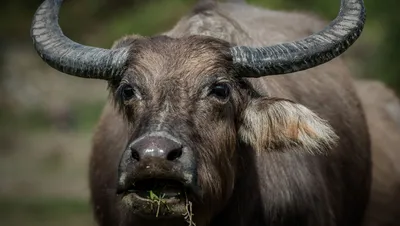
column 47, row 119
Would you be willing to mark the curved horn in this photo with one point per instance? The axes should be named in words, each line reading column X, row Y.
column 70, row 57
column 312, row 51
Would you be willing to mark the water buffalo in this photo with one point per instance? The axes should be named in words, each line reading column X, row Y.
column 197, row 132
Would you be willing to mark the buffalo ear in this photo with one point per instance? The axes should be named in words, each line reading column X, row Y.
column 282, row 125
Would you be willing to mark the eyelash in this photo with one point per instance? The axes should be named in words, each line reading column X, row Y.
column 221, row 91
column 128, row 87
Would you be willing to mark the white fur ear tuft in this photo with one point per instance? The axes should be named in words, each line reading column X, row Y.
column 280, row 125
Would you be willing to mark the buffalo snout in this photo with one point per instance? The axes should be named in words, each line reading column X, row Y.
column 163, row 147
column 160, row 163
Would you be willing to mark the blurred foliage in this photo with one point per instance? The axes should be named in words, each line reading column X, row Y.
column 81, row 117
column 45, row 212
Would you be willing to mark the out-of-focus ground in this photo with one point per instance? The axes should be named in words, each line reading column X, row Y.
column 47, row 118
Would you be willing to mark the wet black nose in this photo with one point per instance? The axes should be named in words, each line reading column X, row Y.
column 156, row 146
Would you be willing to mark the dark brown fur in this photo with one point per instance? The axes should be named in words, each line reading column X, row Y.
column 242, row 183
column 382, row 109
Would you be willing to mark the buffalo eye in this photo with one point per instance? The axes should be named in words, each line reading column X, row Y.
column 220, row 91
column 128, row 92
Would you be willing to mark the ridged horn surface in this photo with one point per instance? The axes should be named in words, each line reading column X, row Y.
column 312, row 51
column 68, row 56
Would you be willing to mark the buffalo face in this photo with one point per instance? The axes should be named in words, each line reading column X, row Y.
column 182, row 105
column 189, row 120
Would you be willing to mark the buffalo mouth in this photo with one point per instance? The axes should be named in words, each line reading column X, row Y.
column 157, row 197
column 153, row 189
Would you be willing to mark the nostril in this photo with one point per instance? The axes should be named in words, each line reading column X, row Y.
column 135, row 154
column 174, row 154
